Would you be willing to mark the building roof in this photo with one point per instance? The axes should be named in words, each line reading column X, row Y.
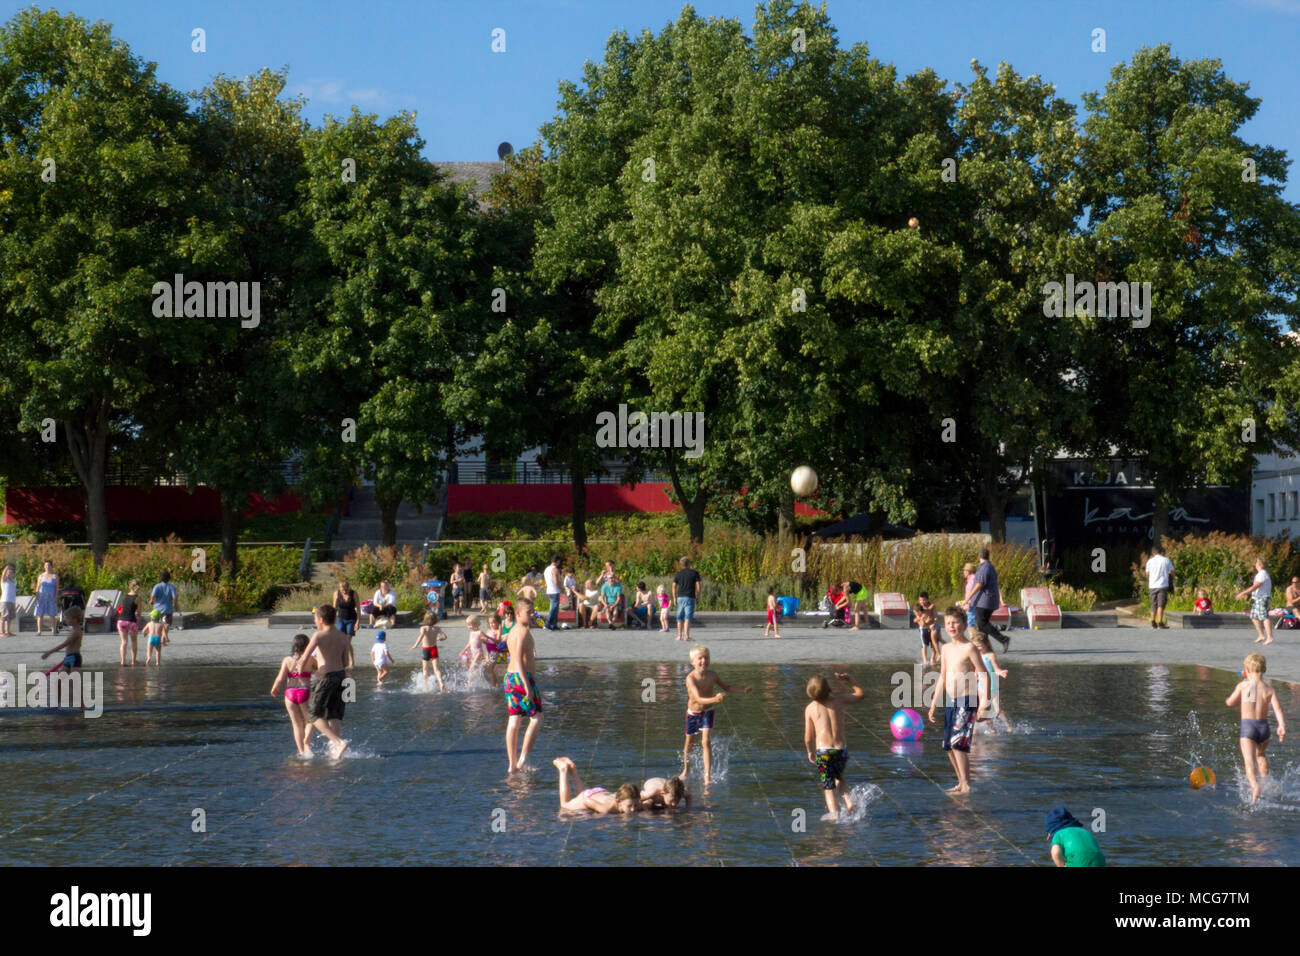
column 478, row 176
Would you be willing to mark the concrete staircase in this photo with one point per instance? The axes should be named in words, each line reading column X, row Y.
column 363, row 527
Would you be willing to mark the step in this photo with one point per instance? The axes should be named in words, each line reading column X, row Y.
column 1239, row 620
column 301, row 619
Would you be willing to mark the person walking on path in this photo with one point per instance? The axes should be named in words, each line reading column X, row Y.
column 1160, row 581
column 1260, row 592
column 986, row 597
column 686, row 591
column 163, row 598
column 553, row 592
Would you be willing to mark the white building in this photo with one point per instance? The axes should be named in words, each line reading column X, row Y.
column 1275, row 496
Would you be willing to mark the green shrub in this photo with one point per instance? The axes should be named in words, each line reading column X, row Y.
column 1222, row 564
column 1073, row 599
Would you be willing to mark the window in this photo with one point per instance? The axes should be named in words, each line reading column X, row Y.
column 1295, row 505
column 1272, row 507
column 1281, row 506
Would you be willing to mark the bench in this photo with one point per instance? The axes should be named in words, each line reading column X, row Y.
column 892, row 610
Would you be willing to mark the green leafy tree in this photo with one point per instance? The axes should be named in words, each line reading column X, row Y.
column 96, row 176
column 392, row 260
column 1178, row 199
column 234, row 422
column 1016, row 193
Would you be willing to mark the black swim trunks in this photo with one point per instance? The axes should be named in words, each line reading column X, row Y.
column 1256, row 730
column 959, row 723
column 327, row 697
column 830, row 766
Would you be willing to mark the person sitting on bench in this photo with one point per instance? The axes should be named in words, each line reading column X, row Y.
column 384, row 604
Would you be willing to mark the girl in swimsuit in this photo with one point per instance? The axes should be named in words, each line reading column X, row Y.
column 473, row 652
column 494, row 649
column 573, row 796
column 295, row 675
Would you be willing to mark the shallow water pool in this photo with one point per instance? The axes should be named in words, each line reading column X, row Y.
column 425, row 781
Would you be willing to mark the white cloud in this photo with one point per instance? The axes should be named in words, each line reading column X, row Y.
column 337, row 91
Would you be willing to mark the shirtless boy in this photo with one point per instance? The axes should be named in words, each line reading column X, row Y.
column 823, row 726
column 1256, row 696
column 333, row 650
column 700, row 683
column 522, row 699
column 961, row 671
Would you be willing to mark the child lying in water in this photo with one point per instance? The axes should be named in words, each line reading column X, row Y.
column 595, row 799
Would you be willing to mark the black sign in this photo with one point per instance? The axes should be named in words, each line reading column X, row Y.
column 1108, row 514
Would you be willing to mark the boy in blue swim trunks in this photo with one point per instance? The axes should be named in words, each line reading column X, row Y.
column 964, row 680
column 700, row 699
column 1256, row 696
column 823, row 726
column 72, row 646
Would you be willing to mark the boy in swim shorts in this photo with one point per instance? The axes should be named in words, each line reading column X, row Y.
column 699, row 708
column 928, row 624
column 153, row 633
column 427, row 640
column 961, row 671
column 522, row 698
column 1256, row 696
column 325, row 704
column 823, row 727
column 72, row 646
column 381, row 657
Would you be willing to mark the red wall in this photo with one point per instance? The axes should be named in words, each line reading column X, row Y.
column 558, row 499
column 132, row 505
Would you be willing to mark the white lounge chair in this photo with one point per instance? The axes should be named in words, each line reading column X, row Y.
column 101, row 606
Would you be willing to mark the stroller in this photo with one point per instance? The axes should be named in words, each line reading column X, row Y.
column 70, row 598
column 433, row 597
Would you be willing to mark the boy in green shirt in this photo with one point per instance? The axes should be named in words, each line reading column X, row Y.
column 1072, row 843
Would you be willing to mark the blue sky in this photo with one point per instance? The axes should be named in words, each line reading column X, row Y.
column 435, row 57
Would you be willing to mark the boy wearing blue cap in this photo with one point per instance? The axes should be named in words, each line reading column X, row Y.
column 1072, row 843
column 380, row 656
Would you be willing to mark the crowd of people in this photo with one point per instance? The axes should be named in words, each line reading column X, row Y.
column 601, row 599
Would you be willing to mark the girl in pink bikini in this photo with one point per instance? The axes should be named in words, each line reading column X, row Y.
column 295, row 675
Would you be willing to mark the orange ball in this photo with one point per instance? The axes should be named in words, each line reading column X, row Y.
column 1202, row 777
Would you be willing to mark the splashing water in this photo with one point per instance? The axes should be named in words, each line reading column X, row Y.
column 862, row 795
column 721, row 747
column 457, row 680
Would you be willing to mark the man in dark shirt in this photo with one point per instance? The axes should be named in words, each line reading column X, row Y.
column 987, row 598
column 686, row 590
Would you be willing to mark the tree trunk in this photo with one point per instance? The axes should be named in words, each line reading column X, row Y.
column 1160, row 519
column 693, row 507
column 578, row 485
column 785, row 518
column 229, row 535
column 388, row 520
column 993, row 499
column 88, row 446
